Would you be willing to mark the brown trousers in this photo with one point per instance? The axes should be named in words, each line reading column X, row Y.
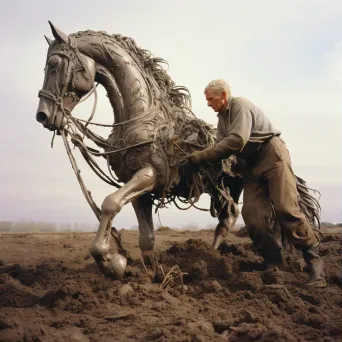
column 271, row 179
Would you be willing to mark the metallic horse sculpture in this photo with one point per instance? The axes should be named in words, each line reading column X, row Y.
column 154, row 130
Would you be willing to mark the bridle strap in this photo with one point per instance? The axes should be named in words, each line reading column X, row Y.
column 58, row 101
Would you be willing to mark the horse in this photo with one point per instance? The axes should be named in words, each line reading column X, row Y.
column 153, row 131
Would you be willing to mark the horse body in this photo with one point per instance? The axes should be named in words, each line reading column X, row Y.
column 153, row 131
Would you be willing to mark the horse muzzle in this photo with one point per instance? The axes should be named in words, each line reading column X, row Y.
column 49, row 117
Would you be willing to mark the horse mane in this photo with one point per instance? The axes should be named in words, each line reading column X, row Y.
column 178, row 96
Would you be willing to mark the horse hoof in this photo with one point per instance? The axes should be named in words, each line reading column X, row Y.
column 114, row 266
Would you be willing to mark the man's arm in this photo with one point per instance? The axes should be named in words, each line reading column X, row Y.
column 239, row 133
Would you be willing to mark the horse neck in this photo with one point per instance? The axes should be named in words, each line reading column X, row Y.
column 118, row 72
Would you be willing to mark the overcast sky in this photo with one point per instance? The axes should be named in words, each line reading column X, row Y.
column 285, row 56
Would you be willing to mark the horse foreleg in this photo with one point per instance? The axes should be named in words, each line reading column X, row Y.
column 114, row 264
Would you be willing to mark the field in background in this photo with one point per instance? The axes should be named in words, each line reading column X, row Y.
column 46, row 227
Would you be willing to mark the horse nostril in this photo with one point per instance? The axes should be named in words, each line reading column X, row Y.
column 41, row 117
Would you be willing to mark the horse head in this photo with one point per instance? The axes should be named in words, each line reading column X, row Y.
column 69, row 76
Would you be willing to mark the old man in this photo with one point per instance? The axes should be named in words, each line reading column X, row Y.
column 244, row 130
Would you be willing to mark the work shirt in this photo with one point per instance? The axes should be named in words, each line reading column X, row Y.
column 241, row 129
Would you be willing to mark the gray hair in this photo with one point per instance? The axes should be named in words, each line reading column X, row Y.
column 218, row 86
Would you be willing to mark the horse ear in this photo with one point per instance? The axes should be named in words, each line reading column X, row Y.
column 48, row 40
column 58, row 34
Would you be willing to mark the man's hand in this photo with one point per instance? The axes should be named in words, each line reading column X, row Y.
column 195, row 158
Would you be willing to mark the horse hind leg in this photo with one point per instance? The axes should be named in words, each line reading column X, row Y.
column 114, row 264
column 230, row 213
column 143, row 209
column 227, row 221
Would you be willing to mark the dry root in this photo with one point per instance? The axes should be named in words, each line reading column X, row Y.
column 171, row 277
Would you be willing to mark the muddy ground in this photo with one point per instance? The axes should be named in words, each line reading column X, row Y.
column 51, row 290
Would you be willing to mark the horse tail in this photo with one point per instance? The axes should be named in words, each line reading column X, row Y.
column 308, row 205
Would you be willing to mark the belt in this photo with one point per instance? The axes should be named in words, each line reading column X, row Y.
column 264, row 143
column 251, row 160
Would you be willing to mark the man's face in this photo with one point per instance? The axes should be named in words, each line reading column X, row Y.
column 216, row 101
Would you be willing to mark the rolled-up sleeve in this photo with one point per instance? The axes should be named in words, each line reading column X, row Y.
column 239, row 132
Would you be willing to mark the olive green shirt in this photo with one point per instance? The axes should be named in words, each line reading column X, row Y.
column 241, row 130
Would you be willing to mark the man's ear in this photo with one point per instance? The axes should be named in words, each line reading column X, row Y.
column 224, row 94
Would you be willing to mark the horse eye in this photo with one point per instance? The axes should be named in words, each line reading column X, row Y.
column 54, row 61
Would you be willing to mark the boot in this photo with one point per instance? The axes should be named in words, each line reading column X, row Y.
column 315, row 267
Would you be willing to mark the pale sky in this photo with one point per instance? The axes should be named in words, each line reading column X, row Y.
column 285, row 56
